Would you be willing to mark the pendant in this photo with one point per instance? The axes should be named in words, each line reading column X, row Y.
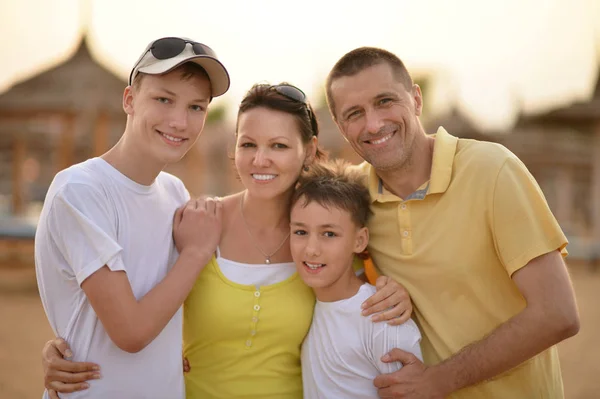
column 268, row 260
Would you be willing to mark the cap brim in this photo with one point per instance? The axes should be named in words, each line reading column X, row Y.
column 219, row 78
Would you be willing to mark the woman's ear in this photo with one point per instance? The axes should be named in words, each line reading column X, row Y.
column 311, row 151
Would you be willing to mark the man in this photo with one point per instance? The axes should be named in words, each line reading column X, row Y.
column 105, row 258
column 466, row 229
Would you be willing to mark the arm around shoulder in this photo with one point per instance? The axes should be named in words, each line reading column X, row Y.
column 133, row 324
column 84, row 230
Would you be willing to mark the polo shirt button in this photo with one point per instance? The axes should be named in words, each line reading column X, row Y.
column 255, row 319
column 257, row 307
column 257, row 294
column 248, row 343
column 253, row 332
column 403, row 206
column 405, row 233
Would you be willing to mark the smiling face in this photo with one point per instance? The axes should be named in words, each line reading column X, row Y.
column 166, row 114
column 323, row 242
column 378, row 115
column 269, row 152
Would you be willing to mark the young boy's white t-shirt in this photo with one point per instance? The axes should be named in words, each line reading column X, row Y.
column 341, row 355
column 94, row 216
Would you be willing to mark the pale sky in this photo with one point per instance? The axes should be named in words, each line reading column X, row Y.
column 491, row 59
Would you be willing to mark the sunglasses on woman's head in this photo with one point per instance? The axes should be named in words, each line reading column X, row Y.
column 291, row 92
column 295, row 94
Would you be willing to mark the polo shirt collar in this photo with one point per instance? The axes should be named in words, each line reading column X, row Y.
column 444, row 150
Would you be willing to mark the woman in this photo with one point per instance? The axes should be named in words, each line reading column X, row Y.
column 247, row 316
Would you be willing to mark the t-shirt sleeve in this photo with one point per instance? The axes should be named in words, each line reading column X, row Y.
column 405, row 337
column 523, row 225
column 83, row 228
column 185, row 194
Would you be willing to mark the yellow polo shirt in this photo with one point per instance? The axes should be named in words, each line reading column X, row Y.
column 454, row 244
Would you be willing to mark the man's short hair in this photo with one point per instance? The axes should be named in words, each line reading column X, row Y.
column 360, row 59
column 335, row 184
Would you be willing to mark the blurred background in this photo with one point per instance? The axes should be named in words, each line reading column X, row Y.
column 522, row 73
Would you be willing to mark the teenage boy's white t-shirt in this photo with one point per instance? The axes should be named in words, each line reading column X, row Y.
column 94, row 216
column 341, row 355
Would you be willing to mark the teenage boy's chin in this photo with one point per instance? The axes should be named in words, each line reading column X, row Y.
column 171, row 155
column 170, row 158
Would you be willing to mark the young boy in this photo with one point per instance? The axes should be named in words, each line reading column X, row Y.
column 341, row 356
column 104, row 250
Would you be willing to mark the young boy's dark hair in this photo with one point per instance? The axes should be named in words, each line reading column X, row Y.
column 335, row 184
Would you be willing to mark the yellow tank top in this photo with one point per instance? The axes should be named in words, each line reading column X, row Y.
column 243, row 340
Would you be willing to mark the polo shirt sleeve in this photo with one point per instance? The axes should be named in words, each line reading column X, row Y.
column 523, row 225
column 83, row 230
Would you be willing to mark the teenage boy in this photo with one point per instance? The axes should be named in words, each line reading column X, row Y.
column 104, row 250
column 341, row 355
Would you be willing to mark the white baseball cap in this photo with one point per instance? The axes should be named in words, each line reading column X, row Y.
column 165, row 54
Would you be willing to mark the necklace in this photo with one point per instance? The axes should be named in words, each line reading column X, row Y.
column 267, row 256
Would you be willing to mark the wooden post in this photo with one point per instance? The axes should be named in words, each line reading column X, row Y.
column 67, row 142
column 595, row 204
column 564, row 198
column 18, row 158
column 101, row 131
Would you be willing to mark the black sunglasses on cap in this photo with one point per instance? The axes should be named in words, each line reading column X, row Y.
column 169, row 47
